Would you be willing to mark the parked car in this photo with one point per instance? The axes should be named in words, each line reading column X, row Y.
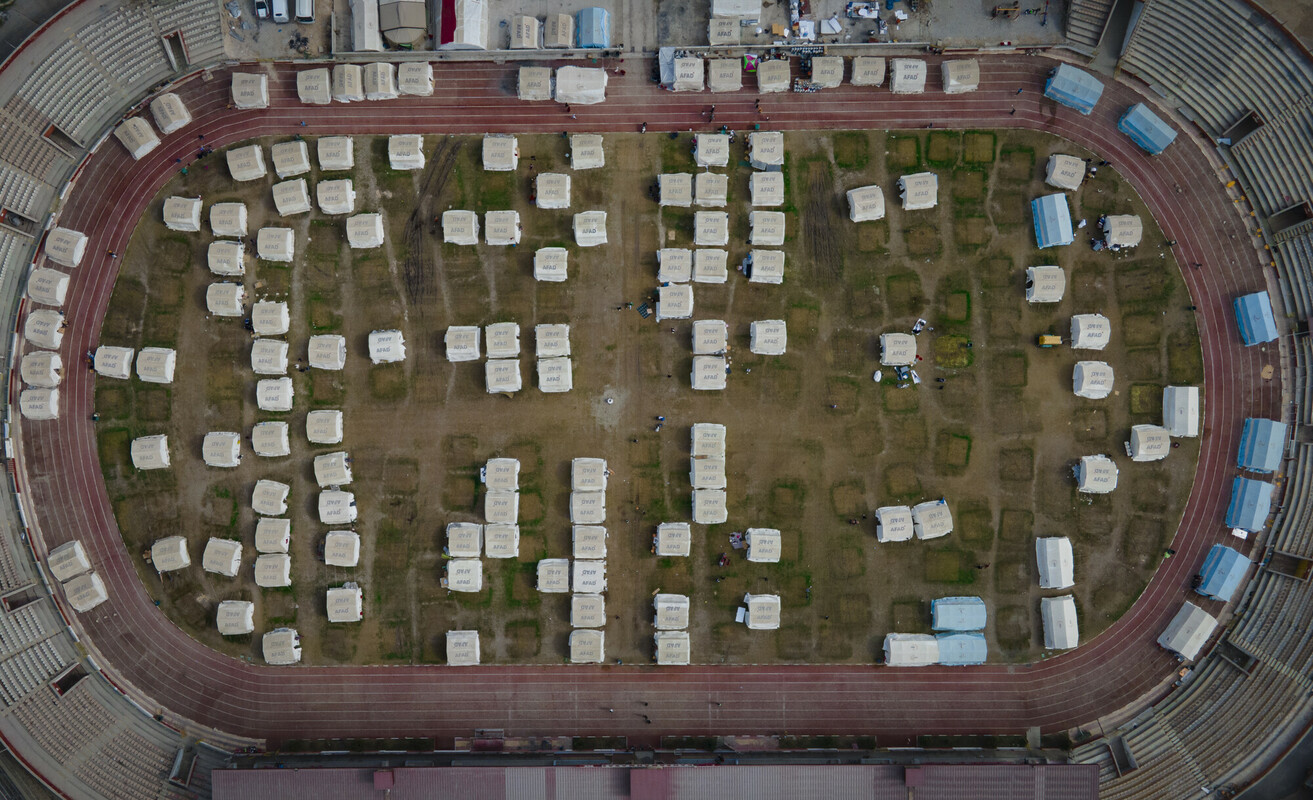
column 280, row 11
column 262, row 9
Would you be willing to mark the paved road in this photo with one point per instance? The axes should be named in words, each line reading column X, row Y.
column 139, row 646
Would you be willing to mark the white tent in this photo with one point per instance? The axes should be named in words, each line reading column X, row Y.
column 502, row 375
column 68, row 560
column 222, row 449
column 1181, row 410
column 468, row 30
column 39, row 404
column 674, row 265
column 709, row 373
column 235, row 617
column 415, row 78
column 226, row 257
column 222, row 557
column 170, row 113
column 673, row 539
column 711, row 149
column 501, row 540
column 550, row 264
column 273, row 570
column 961, row 75
column 588, row 475
column 342, row 549
column 292, row 197
column 323, row 427
column 44, row 328
column 765, row 545
column 554, row 575
column 672, row 611
column 711, row 189
column 465, row 575
column 1045, row 284
column 588, row 541
column 113, row 362
column 462, row 648
column 137, row 136
column 672, row 648
column 865, row 203
column 365, row 26
column 501, row 152
column 534, row 84
column 587, row 646
column 708, row 440
column 710, row 337
column 893, row 524
column 327, row 351
column 710, row 266
column 766, row 149
column 932, row 519
column 333, row 469
column 587, row 611
column 1057, row 569
column 246, row 163
column 827, row 71
column 1090, row 332
column 65, row 246
column 907, row 76
column 1061, row 631
column 42, row 369
column 919, row 191
column 387, row 347
column 1122, row 230
column 1096, row 475
column 314, row 87
column 707, row 473
column 270, row 318
column 228, row 219
column 156, row 364
column 675, row 189
column 335, row 153
column 555, row 375
column 724, row 74
column 85, row 592
column 150, row 452
column 709, row 506
column 586, row 151
column 269, row 498
column 769, row 337
column 182, row 214
column 897, row 349
column 868, row 71
column 348, row 83
column 710, row 228
column 406, row 151
column 500, row 506
column 1150, row 443
column 290, row 159
column 273, row 535
column 460, row 227
column 364, row 231
column 763, row 612
column 910, row 650
column 552, row 190
column 380, row 80
column 345, row 603
column 502, row 339
column 275, row 244
column 690, row 72
column 336, row 197
column 558, row 31
column 773, row 75
column 281, row 647
column 1188, row 631
column 169, row 554
column 1092, row 379
column 462, row 342
column 767, row 188
column 274, row 394
column 250, row 90
column 587, row 508
column 589, row 576
column 502, row 227
column 1065, row 172
column 590, row 228
column 766, row 266
column 583, row 86
column 337, row 507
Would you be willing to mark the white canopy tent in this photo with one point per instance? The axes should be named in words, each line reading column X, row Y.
column 502, row 339
column 709, row 506
column 1061, row 631
column 364, row 231
column 327, row 351
column 333, row 469
column 827, row 71
column 707, row 473
column 690, row 73
column 1096, row 475
column 1065, row 172
column 273, row 570
column 44, row 328
column 460, row 227
column 314, row 87
column 550, row 264
column 675, row 189
column 961, row 75
column 273, row 535
column 276, row 244
column 182, row 214
column 1057, row 568
column 502, row 375
column 1045, row 284
column 766, row 149
column 150, row 452
column 893, row 524
column 588, row 541
column 588, row 475
column 169, row 554
column 337, row 507
column 292, row 197
column 765, row 545
column 323, row 426
column 348, row 83
column 85, row 592
column 674, row 539
column 222, row 449
column 534, row 84
column 674, row 265
column 1092, row 379
column 710, row 266
column 501, row 540
column 910, row 650
column 113, row 362
column 222, row 557
column 580, row 85
column 1188, row 631
column 555, row 375
column 137, row 136
column 868, row 71
column 269, row 498
column 462, row 648
column 767, row 228
column 270, row 318
column 68, row 560
column 586, row 151
column 501, row 152
column 250, row 90
column 47, row 286
column 464, row 540
column 406, row 151
column 342, row 549
column 590, row 228
column 336, row 197
column 587, row 611
column 345, row 603
column 274, row 394
column 228, row 219
column 932, row 519
column 170, row 113
column 1181, row 410
column 235, row 617
column 502, row 228
column 710, row 228
column 1122, row 230
column 1090, row 332
column 672, row 648
column 246, row 163
column 42, row 369
column 502, row 507
column 708, row 440
column 589, row 576
column 709, row 373
column 773, row 75
column 724, row 75
column 587, row 646
column 380, row 80
column 415, row 78
column 335, row 153
column 919, row 191
column 672, row 611
column 465, row 575
column 39, row 404
column 226, row 257
column 156, row 364
column 281, row 647
column 462, row 342
column 469, row 28
column 65, row 246
column 552, row 190
column 387, row 347
column 763, row 612
column 768, row 337
column 865, row 203
column 710, row 337
column 554, row 575
column 290, row 159
column 897, row 349
column 767, row 188
column 711, row 149
column 907, row 76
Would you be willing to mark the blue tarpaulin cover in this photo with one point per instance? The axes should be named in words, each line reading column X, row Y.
column 1052, row 220
column 1222, row 572
column 958, row 614
column 962, row 649
column 1146, row 129
column 1262, row 443
column 1074, row 88
column 594, row 27
column 1253, row 312
column 1251, row 501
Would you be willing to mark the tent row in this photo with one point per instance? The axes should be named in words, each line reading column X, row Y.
column 354, row 83
column 923, row 649
column 929, row 520
column 139, row 138
column 561, row 576
column 906, row 75
column 45, row 368
column 269, row 439
column 583, row 86
column 711, row 265
column 503, row 228
column 588, row 477
column 683, row 190
column 70, row 566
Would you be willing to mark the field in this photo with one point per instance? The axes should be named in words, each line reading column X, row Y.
column 814, row 445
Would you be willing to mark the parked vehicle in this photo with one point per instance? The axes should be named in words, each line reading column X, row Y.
column 262, row 9
column 280, row 11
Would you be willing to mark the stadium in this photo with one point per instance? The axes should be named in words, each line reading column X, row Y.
column 1192, row 681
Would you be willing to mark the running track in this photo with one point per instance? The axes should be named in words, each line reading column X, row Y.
column 146, row 654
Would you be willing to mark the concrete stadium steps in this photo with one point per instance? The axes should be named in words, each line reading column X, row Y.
column 201, row 27
column 28, row 625
column 14, row 250
column 1293, row 254
column 27, row 670
column 20, row 193
column 128, row 766
column 63, row 726
column 1303, row 390
column 70, row 91
column 1279, row 159
column 1086, row 20
column 127, row 47
column 1291, row 530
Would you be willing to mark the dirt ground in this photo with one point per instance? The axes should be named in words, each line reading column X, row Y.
column 813, row 442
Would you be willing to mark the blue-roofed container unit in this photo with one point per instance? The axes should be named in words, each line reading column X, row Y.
column 958, row 614
column 1222, row 572
column 1251, row 502
column 1074, row 88
column 1262, row 445
column 1146, row 129
column 594, row 28
column 1052, row 220
column 1253, row 313
column 962, row 649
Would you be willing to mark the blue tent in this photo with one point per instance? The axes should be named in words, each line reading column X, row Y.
column 1146, row 129
column 1251, row 501
column 594, row 26
column 1253, row 312
column 1074, row 88
column 958, row 614
column 1222, row 572
column 962, row 649
column 1262, row 444
column 1052, row 220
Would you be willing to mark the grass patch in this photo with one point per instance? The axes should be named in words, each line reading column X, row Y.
column 112, row 402
column 903, row 293
column 942, row 148
column 114, row 446
column 1146, row 398
column 979, row 147
column 956, row 307
column 1016, row 464
column 949, row 566
column 952, row 452
column 1142, row 330
column 901, row 482
column 1185, row 359
column 852, row 150
column 900, row 401
column 1010, row 370
column 909, row 616
column 902, row 152
column 953, row 352
column 1016, row 525
column 388, row 382
column 969, row 185
column 923, row 240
